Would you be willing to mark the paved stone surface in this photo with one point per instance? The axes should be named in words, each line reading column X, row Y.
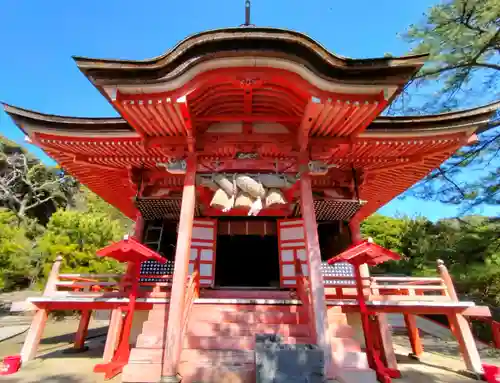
column 8, row 332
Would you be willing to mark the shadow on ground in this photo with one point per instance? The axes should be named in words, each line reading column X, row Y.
column 69, row 338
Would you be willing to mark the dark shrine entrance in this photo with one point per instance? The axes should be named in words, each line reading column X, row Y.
column 247, row 260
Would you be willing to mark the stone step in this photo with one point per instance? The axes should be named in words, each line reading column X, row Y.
column 203, row 307
column 197, row 373
column 158, row 314
column 139, row 373
column 351, row 359
column 358, row 375
column 226, row 357
column 341, row 330
column 347, row 344
column 197, row 328
column 247, row 294
column 239, row 342
column 231, row 343
column 151, row 327
column 150, row 341
column 269, row 317
column 210, row 342
column 202, row 357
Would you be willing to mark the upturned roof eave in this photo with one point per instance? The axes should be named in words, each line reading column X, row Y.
column 84, row 61
column 477, row 118
column 250, row 39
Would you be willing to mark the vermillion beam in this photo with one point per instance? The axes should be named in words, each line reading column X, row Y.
column 188, row 123
column 181, row 269
column 151, row 142
column 311, row 112
column 244, row 118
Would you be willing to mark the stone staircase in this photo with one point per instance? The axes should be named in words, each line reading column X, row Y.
column 220, row 339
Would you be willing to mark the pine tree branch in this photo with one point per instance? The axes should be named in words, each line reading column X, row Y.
column 488, row 65
column 38, row 203
column 443, row 174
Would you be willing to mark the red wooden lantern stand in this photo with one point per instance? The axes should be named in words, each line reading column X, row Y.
column 371, row 254
column 134, row 253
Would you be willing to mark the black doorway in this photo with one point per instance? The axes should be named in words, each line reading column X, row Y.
column 247, row 261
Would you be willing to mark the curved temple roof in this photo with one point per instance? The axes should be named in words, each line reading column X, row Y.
column 257, row 41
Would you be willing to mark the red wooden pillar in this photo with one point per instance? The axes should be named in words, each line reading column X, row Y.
column 81, row 333
column 139, row 227
column 174, row 339
column 414, row 335
column 317, row 287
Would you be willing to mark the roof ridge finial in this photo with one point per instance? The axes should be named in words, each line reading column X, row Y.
column 248, row 6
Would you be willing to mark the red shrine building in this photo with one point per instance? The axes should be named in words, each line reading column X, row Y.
column 248, row 158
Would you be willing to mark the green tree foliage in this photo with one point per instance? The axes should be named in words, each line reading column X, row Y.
column 470, row 247
column 29, row 188
column 15, row 250
column 88, row 201
column 76, row 236
column 463, row 70
column 45, row 213
column 462, row 38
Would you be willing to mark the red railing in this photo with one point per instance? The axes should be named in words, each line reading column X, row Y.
column 88, row 283
column 388, row 288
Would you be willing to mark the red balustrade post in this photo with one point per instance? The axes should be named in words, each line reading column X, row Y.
column 355, row 229
column 317, row 287
column 387, row 345
column 460, row 326
column 32, row 340
column 174, row 339
column 414, row 335
column 51, row 285
column 114, row 331
column 495, row 329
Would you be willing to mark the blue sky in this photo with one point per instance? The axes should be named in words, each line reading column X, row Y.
column 39, row 38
